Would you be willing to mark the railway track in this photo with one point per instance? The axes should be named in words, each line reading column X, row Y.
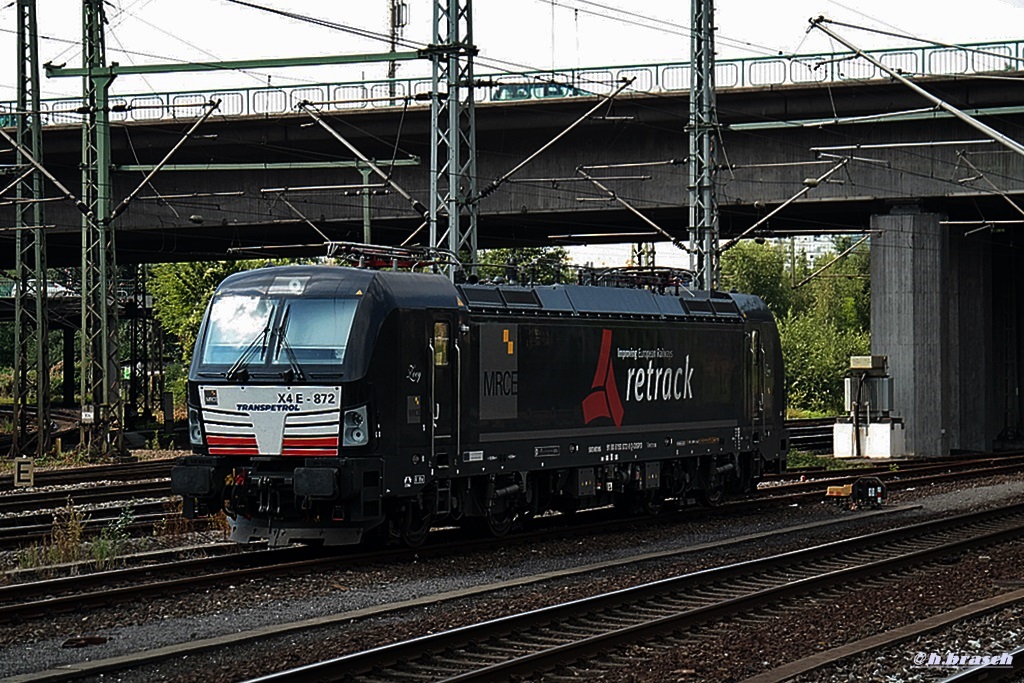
column 127, row 472
column 813, row 434
column 36, row 598
column 41, row 500
column 26, row 600
column 580, row 639
column 921, row 474
column 948, row 623
column 33, row 598
column 890, row 468
column 145, row 518
column 28, row 517
column 11, row 594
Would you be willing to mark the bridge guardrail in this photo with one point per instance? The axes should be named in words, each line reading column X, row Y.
column 532, row 85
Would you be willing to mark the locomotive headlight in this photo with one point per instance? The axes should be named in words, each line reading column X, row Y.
column 195, row 432
column 355, row 433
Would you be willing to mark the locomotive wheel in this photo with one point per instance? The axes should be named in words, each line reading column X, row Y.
column 415, row 526
column 712, row 497
column 651, row 503
column 500, row 523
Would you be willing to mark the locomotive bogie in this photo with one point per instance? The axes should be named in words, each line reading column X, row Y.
column 430, row 403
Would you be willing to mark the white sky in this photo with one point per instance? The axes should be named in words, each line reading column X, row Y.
column 535, row 33
column 538, row 34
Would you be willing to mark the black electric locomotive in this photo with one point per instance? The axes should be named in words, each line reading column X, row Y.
column 329, row 403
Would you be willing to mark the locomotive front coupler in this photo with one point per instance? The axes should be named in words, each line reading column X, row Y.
column 269, row 498
column 268, row 490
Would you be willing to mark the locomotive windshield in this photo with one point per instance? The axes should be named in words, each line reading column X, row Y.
column 275, row 333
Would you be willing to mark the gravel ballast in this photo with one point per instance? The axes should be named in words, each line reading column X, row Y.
column 232, row 609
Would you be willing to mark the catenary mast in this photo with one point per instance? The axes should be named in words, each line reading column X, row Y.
column 703, row 130
column 30, row 307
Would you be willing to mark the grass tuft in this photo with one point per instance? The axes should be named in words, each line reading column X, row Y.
column 797, row 458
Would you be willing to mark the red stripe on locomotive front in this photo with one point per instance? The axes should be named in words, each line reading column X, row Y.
column 311, row 442
column 222, row 450
column 311, row 452
column 215, row 440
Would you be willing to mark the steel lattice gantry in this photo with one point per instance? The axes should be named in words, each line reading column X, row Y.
column 452, row 202
column 453, row 179
column 703, row 129
column 30, row 309
column 101, row 398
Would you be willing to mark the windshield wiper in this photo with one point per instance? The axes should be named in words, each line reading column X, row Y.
column 294, row 369
column 239, row 369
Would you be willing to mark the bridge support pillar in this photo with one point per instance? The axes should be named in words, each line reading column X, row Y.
column 931, row 314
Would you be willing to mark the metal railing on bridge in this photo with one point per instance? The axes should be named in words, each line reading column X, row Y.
column 533, row 85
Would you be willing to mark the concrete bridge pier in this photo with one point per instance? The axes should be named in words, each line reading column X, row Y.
column 934, row 315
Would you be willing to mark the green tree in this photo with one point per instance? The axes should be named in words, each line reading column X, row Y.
column 759, row 269
column 823, row 319
column 7, row 352
column 6, row 345
column 816, row 352
column 853, row 287
column 537, row 265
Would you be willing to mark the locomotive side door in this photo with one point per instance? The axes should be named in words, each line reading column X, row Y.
column 769, row 351
column 445, row 365
column 757, row 358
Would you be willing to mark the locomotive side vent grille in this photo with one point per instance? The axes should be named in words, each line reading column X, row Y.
column 488, row 296
column 697, row 306
column 520, row 297
column 725, row 306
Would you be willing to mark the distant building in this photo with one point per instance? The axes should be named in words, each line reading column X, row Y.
column 612, row 255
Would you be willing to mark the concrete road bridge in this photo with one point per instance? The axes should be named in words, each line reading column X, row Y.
column 943, row 198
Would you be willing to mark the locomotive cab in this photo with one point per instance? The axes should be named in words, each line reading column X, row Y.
column 288, row 367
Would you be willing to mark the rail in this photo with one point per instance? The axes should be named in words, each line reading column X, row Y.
column 598, row 628
column 814, row 434
column 673, row 77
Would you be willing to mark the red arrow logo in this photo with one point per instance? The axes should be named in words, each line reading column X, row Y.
column 604, row 400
